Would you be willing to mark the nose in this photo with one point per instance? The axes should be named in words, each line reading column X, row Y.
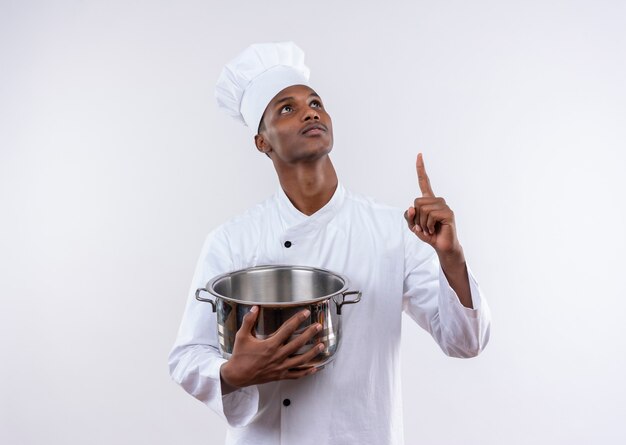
column 311, row 113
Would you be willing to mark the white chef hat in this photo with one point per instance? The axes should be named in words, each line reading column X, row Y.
column 251, row 80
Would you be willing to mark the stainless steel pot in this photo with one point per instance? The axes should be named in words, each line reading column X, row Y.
column 280, row 292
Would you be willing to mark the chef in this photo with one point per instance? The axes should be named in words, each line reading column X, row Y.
column 402, row 260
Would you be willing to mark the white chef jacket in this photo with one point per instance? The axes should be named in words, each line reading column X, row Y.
column 355, row 399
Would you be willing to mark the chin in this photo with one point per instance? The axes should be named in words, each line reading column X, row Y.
column 310, row 155
column 320, row 151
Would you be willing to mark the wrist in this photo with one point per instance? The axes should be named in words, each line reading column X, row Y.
column 227, row 379
column 453, row 257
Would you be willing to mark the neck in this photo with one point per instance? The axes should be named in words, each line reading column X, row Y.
column 309, row 186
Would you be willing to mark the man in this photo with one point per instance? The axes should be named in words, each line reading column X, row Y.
column 406, row 261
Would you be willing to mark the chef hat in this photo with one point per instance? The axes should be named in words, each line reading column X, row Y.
column 251, row 80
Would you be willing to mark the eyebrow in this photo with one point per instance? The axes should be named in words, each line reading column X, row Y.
column 284, row 99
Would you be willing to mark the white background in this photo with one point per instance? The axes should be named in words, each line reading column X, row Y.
column 115, row 163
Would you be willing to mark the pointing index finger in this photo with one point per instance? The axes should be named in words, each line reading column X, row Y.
column 422, row 177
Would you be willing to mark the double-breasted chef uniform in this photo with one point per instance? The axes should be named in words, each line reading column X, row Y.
column 355, row 399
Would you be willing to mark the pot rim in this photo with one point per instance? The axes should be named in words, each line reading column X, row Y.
column 212, row 281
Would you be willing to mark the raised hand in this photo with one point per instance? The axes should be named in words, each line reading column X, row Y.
column 255, row 361
column 430, row 218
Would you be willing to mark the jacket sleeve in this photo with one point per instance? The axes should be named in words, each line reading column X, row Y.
column 195, row 360
column 434, row 305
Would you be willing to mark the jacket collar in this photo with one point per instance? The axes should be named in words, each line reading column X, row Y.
column 293, row 218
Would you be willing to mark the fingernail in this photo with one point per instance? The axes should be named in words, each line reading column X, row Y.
column 418, row 228
column 320, row 347
column 306, row 313
column 254, row 309
column 318, row 327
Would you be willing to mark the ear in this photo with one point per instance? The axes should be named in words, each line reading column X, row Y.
column 261, row 144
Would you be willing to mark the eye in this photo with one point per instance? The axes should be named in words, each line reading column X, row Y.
column 286, row 106
column 317, row 102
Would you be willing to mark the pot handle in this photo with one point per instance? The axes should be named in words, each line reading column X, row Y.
column 344, row 301
column 206, row 300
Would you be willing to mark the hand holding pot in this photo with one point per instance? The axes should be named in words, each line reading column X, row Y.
column 256, row 361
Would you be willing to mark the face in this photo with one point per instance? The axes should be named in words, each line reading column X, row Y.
column 295, row 127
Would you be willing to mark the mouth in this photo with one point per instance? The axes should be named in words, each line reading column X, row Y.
column 314, row 129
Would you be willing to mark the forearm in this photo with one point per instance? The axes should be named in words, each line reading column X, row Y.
column 455, row 270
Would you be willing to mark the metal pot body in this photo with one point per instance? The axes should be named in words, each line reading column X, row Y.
column 280, row 292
